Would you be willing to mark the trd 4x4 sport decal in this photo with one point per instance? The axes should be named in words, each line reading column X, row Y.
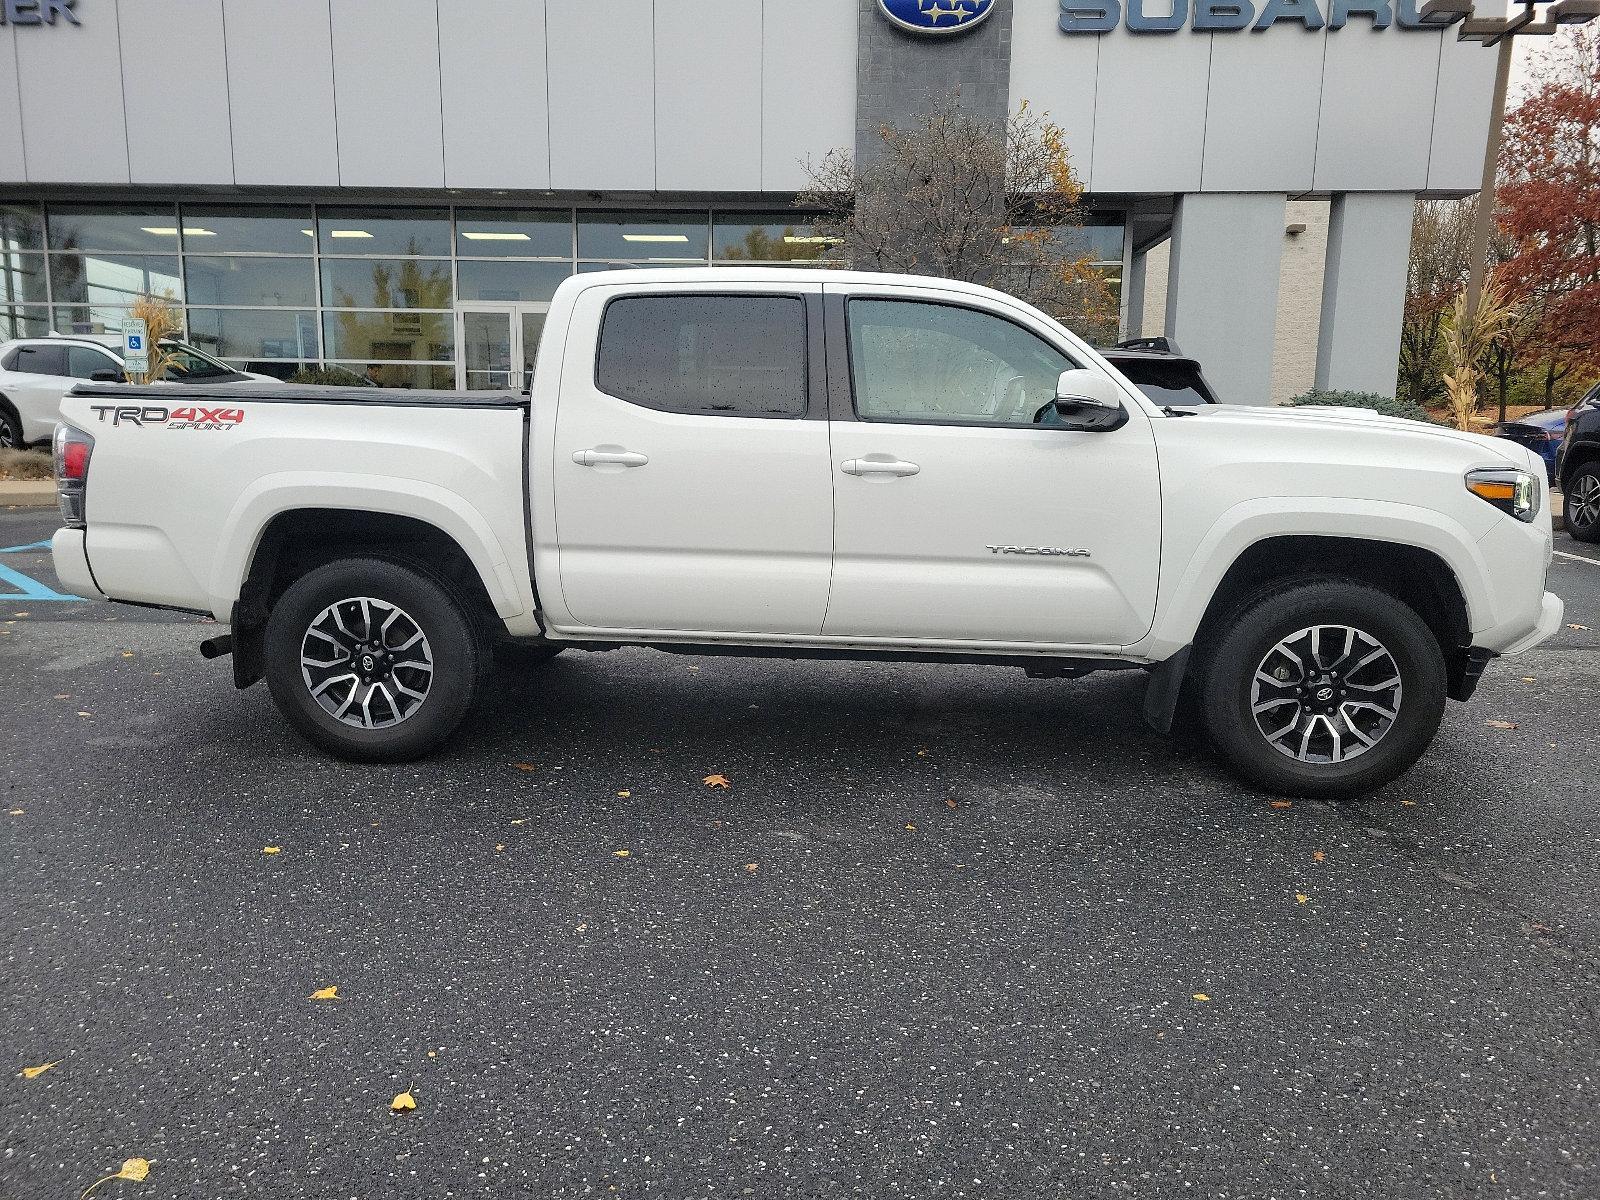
column 176, row 418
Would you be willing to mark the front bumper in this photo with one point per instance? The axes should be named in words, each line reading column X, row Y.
column 72, row 563
column 1551, row 610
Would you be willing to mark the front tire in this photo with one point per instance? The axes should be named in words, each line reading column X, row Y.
column 1323, row 689
column 374, row 660
column 1583, row 503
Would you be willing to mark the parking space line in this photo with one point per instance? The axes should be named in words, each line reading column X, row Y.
column 32, row 590
column 1593, row 562
column 20, row 549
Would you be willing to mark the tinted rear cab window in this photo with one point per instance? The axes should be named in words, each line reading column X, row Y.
column 727, row 356
column 1166, row 381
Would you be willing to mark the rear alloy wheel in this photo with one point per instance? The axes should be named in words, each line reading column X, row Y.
column 10, row 430
column 374, row 660
column 1583, row 504
column 1323, row 688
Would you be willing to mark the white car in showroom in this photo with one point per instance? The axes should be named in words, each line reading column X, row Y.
column 35, row 373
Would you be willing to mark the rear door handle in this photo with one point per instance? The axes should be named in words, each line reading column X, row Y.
column 878, row 466
column 621, row 458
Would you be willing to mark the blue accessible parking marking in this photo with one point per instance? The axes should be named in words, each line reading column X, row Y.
column 30, row 590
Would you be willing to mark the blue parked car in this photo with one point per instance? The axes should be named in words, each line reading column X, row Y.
column 1540, row 432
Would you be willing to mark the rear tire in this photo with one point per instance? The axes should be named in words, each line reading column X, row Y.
column 1315, row 714
column 374, row 660
column 10, row 429
column 1583, row 503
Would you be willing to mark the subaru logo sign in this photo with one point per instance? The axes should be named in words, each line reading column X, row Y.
column 936, row 16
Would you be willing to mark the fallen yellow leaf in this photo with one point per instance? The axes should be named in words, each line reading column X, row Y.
column 525, row 766
column 949, row 803
column 1202, row 997
column 499, row 846
column 1570, row 625
column 624, row 795
column 433, row 1054
column 17, row 812
column 84, row 714
column 922, row 754
column 582, row 925
column 911, row 827
column 1283, row 804
column 35, row 1072
column 272, row 849
column 134, row 1170
column 1301, row 897
column 64, row 696
column 1409, row 803
column 520, row 821
column 404, row 1102
column 750, row 868
column 1317, row 856
column 1528, row 679
column 127, row 654
column 619, row 854
column 1501, row 724
column 716, row 781
column 327, row 993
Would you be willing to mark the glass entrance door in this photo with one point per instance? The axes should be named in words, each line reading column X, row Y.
column 499, row 343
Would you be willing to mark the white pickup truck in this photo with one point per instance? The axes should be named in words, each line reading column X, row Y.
column 798, row 463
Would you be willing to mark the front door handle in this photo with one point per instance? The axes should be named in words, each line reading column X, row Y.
column 621, row 458
column 878, row 466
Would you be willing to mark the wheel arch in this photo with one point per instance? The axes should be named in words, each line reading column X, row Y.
column 296, row 541
column 1581, row 453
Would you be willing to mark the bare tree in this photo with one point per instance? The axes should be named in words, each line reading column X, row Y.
column 988, row 202
column 1441, row 245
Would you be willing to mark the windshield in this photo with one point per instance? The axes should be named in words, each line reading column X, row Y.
column 1166, row 381
column 189, row 363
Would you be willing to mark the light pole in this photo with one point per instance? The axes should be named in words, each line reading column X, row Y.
column 1502, row 33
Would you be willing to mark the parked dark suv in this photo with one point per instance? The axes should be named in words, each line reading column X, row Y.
column 1159, row 369
column 1578, row 468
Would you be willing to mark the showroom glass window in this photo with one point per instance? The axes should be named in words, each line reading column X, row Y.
column 726, row 356
column 948, row 365
column 24, row 289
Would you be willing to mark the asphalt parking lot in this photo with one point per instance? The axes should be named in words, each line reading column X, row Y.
column 950, row 932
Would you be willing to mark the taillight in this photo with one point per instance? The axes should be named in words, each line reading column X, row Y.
column 73, row 449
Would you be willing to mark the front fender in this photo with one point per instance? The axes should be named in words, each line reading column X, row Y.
column 1189, row 582
column 273, row 495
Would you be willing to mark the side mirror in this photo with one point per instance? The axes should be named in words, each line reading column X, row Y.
column 1087, row 401
column 108, row 377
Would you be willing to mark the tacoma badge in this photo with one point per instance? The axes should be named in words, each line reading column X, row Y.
column 1041, row 551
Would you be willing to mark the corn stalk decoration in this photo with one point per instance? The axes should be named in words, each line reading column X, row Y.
column 161, row 322
column 1468, row 338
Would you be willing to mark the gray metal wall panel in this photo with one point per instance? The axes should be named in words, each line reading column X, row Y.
column 708, row 97
column 13, row 164
column 808, row 50
column 1377, row 110
column 71, row 104
column 280, row 88
column 900, row 73
column 178, row 130
column 1222, row 289
column 1150, row 111
column 386, row 92
column 1261, row 111
column 1461, row 116
column 602, row 94
column 1056, row 75
column 1364, row 292
column 496, row 104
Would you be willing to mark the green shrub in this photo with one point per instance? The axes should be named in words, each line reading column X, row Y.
column 1386, row 406
column 329, row 377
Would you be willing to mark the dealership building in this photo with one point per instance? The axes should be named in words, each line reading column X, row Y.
column 398, row 186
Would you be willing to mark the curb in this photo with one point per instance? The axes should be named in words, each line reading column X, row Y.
column 30, row 493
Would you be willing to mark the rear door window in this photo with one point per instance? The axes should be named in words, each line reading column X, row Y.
column 723, row 356
column 41, row 360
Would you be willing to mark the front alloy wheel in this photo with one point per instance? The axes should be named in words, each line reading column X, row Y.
column 367, row 662
column 1583, row 505
column 1326, row 694
column 1321, row 686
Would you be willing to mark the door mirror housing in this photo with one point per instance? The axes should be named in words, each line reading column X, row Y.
column 107, row 376
column 1087, row 401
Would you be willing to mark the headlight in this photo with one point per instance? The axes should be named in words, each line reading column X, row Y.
column 1513, row 492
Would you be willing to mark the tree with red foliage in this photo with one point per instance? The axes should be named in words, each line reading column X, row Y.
column 1548, row 208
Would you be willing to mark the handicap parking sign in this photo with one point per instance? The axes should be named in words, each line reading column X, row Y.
column 135, row 350
column 135, row 342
